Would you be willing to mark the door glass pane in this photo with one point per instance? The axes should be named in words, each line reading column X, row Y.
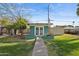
column 37, row 31
column 41, row 30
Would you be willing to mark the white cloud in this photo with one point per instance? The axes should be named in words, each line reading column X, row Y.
column 25, row 9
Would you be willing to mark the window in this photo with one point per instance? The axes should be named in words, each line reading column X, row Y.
column 41, row 30
column 37, row 30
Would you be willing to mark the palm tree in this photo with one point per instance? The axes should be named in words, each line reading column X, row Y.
column 77, row 12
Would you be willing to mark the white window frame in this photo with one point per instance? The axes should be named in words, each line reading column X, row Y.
column 39, row 30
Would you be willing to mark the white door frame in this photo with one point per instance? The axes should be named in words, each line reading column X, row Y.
column 39, row 30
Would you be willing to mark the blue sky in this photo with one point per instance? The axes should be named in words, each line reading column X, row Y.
column 60, row 13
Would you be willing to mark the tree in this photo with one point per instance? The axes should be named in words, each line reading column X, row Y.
column 7, row 10
column 15, row 14
column 21, row 24
column 4, row 22
column 13, row 11
column 77, row 10
column 9, row 28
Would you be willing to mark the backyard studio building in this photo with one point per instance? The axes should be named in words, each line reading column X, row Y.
column 38, row 29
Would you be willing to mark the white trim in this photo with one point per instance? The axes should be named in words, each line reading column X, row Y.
column 39, row 30
column 43, row 30
column 34, row 30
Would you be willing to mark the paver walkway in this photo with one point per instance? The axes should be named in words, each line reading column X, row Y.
column 40, row 49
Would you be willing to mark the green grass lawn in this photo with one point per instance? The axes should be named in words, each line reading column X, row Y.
column 63, row 45
column 10, row 46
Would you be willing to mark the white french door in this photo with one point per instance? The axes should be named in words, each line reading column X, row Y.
column 39, row 31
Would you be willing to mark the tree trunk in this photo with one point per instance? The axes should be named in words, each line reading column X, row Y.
column 15, row 31
column 1, row 31
column 9, row 32
column 21, row 32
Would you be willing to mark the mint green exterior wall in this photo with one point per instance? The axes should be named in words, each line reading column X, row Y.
column 32, row 30
column 45, row 30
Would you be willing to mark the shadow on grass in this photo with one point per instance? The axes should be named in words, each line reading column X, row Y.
column 21, row 49
column 62, row 47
